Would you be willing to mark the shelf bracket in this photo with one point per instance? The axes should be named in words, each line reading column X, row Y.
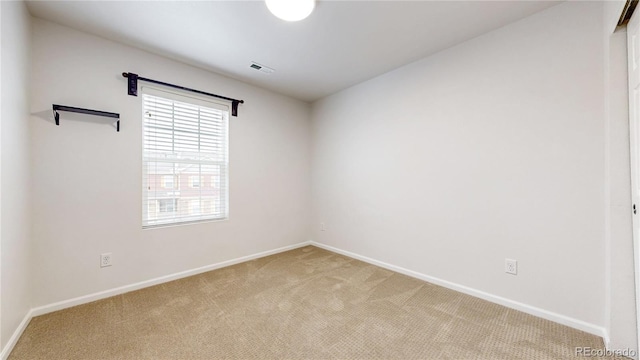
column 57, row 108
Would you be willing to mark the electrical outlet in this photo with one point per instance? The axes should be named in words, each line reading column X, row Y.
column 105, row 259
column 511, row 266
column 322, row 227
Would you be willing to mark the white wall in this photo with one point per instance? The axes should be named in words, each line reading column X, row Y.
column 15, row 243
column 87, row 177
column 489, row 150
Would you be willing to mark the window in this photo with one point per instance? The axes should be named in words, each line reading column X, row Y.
column 194, row 181
column 194, row 207
column 166, row 205
column 168, row 181
column 185, row 140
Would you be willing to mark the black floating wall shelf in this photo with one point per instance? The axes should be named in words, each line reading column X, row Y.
column 57, row 108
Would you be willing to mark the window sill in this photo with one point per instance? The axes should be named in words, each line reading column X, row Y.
column 185, row 223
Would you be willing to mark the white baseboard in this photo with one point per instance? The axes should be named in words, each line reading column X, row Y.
column 16, row 336
column 532, row 310
column 606, row 339
column 41, row 310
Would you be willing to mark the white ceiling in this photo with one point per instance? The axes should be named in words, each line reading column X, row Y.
column 341, row 44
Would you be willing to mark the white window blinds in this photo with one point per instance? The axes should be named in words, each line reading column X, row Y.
column 185, row 159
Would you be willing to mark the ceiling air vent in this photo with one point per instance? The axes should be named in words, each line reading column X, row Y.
column 262, row 68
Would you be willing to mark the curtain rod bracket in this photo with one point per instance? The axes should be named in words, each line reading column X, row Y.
column 133, row 83
column 234, row 107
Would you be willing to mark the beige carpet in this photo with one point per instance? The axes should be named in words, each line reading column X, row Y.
column 303, row 304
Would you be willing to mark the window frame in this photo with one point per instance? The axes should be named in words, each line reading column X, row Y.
column 196, row 101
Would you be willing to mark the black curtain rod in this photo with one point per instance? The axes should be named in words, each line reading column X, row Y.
column 133, row 90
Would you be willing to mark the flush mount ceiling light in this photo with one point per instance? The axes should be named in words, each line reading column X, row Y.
column 291, row 10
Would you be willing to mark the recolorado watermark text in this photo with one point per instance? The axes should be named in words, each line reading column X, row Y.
column 591, row 352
